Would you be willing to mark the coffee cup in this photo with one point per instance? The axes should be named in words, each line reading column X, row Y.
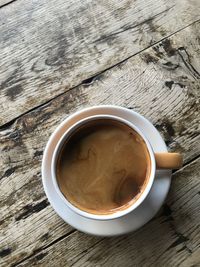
column 111, row 128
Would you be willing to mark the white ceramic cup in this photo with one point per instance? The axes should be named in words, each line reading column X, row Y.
column 119, row 213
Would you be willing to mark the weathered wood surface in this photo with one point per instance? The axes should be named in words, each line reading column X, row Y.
column 161, row 83
column 48, row 47
column 171, row 239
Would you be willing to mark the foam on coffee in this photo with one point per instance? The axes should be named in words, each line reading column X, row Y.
column 103, row 167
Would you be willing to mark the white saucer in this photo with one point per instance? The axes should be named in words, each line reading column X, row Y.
column 138, row 217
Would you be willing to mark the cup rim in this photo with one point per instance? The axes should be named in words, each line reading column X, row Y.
column 116, row 214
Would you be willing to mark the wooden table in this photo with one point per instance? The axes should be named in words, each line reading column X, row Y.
column 59, row 56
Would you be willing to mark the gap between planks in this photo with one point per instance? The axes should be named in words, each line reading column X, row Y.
column 90, row 79
column 45, row 247
column 37, row 252
column 186, row 164
column 6, row 4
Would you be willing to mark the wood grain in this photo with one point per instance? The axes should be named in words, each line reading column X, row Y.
column 48, row 47
column 161, row 83
column 171, row 239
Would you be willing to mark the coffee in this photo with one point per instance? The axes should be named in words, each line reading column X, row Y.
column 103, row 167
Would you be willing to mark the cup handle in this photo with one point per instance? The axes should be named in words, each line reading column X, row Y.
column 168, row 160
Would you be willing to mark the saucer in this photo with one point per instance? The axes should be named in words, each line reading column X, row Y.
column 130, row 222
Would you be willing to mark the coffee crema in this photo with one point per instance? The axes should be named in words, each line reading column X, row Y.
column 103, row 167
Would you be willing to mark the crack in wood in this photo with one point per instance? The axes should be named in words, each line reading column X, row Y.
column 167, row 212
column 169, row 84
column 92, row 79
column 169, row 65
column 6, row 4
column 30, row 209
column 38, row 153
column 180, row 239
column 147, row 21
column 168, row 48
column 9, row 124
column 5, row 252
column 187, row 163
column 38, row 251
column 186, row 60
column 8, row 172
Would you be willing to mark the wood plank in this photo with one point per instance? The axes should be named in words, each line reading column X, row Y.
column 48, row 47
column 172, row 239
column 160, row 83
